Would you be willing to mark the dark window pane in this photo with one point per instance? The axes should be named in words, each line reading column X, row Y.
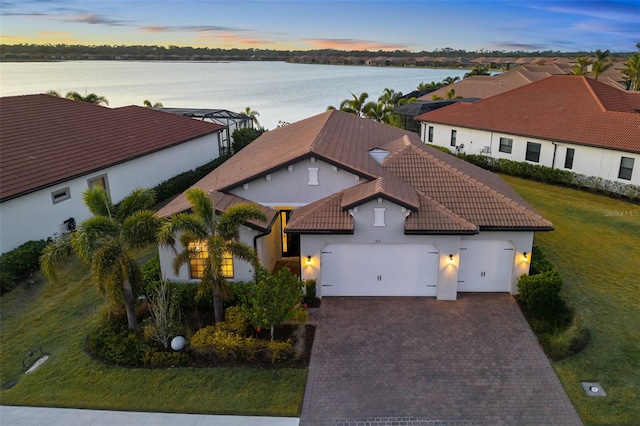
column 568, row 160
column 533, row 152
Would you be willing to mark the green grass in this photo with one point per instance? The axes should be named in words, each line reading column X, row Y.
column 596, row 249
column 58, row 318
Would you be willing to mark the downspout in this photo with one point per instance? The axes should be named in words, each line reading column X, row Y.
column 553, row 161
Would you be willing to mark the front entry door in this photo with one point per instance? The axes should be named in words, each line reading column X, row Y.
column 290, row 242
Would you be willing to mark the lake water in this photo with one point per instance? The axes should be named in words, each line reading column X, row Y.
column 277, row 90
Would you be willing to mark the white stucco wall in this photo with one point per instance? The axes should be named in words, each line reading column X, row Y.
column 588, row 160
column 242, row 271
column 289, row 186
column 34, row 216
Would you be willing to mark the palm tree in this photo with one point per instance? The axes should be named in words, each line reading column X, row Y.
column 449, row 80
column 148, row 104
column 632, row 71
column 253, row 115
column 602, row 63
column 478, row 69
column 390, row 97
column 451, row 94
column 378, row 111
column 106, row 242
column 581, row 68
column 200, row 233
column 91, row 98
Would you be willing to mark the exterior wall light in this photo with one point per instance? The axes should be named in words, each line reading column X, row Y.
column 450, row 260
column 525, row 257
column 309, row 261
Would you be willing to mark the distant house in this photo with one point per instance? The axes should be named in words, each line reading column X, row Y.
column 567, row 122
column 369, row 210
column 53, row 149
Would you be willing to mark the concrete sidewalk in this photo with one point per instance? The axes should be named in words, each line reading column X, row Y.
column 45, row 416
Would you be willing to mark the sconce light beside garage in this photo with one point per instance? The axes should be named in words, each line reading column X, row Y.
column 309, row 261
column 525, row 257
column 450, row 260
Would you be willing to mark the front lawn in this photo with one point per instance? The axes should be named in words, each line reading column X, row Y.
column 59, row 317
column 596, row 249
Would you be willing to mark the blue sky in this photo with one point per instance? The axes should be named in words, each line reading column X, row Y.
column 346, row 25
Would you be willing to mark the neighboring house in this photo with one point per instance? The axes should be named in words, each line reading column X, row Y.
column 232, row 121
column 52, row 149
column 567, row 122
column 369, row 210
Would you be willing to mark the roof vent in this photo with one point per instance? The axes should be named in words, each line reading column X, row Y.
column 379, row 154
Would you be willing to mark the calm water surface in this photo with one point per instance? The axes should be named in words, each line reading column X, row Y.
column 277, row 90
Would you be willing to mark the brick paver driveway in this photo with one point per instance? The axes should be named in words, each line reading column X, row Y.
column 420, row 361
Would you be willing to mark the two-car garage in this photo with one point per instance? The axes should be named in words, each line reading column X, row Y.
column 413, row 269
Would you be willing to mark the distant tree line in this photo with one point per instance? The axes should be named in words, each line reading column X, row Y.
column 18, row 52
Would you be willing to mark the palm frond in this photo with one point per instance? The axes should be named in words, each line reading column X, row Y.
column 98, row 201
column 140, row 228
column 202, row 206
column 181, row 258
column 53, row 254
column 243, row 252
column 107, row 269
column 182, row 223
column 138, row 199
column 230, row 221
column 91, row 234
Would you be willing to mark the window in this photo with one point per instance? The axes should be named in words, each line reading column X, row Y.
column 60, row 195
column 198, row 257
column 506, row 145
column 533, row 152
column 313, row 176
column 101, row 181
column 626, row 168
column 378, row 216
column 568, row 159
column 454, row 135
column 430, row 134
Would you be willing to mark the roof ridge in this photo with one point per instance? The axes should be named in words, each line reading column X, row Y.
column 314, row 206
column 593, row 93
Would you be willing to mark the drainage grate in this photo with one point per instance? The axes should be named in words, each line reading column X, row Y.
column 593, row 389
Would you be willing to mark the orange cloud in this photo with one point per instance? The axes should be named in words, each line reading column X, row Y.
column 350, row 44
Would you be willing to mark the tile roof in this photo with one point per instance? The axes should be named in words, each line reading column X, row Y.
column 46, row 139
column 443, row 193
column 563, row 108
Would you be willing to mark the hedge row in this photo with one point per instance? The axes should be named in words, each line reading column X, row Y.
column 171, row 187
column 16, row 265
column 554, row 176
column 560, row 331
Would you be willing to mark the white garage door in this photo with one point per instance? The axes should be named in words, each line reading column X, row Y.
column 379, row 270
column 485, row 266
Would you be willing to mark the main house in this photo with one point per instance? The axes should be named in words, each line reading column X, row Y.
column 568, row 122
column 53, row 149
column 369, row 210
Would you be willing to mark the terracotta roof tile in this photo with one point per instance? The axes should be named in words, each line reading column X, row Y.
column 326, row 215
column 46, row 139
column 221, row 202
column 562, row 108
column 443, row 193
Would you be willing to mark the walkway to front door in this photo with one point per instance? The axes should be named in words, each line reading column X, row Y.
column 420, row 361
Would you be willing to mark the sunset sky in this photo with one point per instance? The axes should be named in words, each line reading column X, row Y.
column 508, row 25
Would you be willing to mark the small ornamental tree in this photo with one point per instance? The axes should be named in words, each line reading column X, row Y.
column 274, row 299
column 164, row 309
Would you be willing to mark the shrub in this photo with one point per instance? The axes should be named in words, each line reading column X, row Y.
column 561, row 344
column 171, row 187
column 151, row 271
column 539, row 262
column 164, row 309
column 117, row 346
column 243, row 137
column 277, row 351
column 235, row 321
column 17, row 264
column 541, row 295
column 154, row 358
